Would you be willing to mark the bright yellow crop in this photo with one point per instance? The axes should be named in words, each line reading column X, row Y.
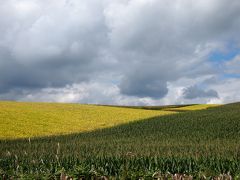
column 194, row 107
column 23, row 120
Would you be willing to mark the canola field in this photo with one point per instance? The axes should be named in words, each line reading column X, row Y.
column 26, row 120
column 178, row 142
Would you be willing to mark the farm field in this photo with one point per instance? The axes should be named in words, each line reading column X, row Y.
column 200, row 141
column 24, row 120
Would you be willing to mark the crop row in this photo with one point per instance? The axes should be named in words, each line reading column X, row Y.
column 118, row 167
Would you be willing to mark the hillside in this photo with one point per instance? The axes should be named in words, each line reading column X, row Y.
column 195, row 142
column 24, row 120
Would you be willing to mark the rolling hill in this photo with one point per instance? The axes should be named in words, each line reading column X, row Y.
column 24, row 120
column 198, row 141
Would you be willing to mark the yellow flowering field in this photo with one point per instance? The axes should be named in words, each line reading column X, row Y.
column 25, row 119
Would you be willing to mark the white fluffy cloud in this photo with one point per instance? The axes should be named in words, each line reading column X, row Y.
column 117, row 52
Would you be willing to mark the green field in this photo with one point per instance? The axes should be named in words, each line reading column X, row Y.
column 134, row 142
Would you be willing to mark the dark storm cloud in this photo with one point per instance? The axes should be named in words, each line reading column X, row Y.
column 139, row 46
column 193, row 92
column 172, row 38
column 144, row 87
column 55, row 48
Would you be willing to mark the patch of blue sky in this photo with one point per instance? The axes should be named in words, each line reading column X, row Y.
column 229, row 76
column 230, row 51
column 220, row 56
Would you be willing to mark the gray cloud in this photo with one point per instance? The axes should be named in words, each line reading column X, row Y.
column 61, row 44
column 233, row 66
column 138, row 46
column 193, row 92
column 173, row 45
column 144, row 88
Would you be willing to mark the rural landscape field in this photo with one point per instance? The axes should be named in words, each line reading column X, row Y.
column 181, row 142
column 119, row 89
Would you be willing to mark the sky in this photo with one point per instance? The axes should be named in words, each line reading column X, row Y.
column 123, row 52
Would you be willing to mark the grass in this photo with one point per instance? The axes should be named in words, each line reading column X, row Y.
column 195, row 142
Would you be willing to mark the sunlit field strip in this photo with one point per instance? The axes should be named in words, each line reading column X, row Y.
column 24, row 120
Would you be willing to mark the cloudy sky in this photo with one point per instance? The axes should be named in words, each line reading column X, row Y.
column 132, row 52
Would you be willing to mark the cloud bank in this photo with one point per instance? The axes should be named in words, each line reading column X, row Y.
column 119, row 52
column 193, row 92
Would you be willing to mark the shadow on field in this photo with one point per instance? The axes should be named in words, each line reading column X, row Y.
column 196, row 142
column 183, row 124
column 152, row 107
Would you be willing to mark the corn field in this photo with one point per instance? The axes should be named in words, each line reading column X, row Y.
column 197, row 144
